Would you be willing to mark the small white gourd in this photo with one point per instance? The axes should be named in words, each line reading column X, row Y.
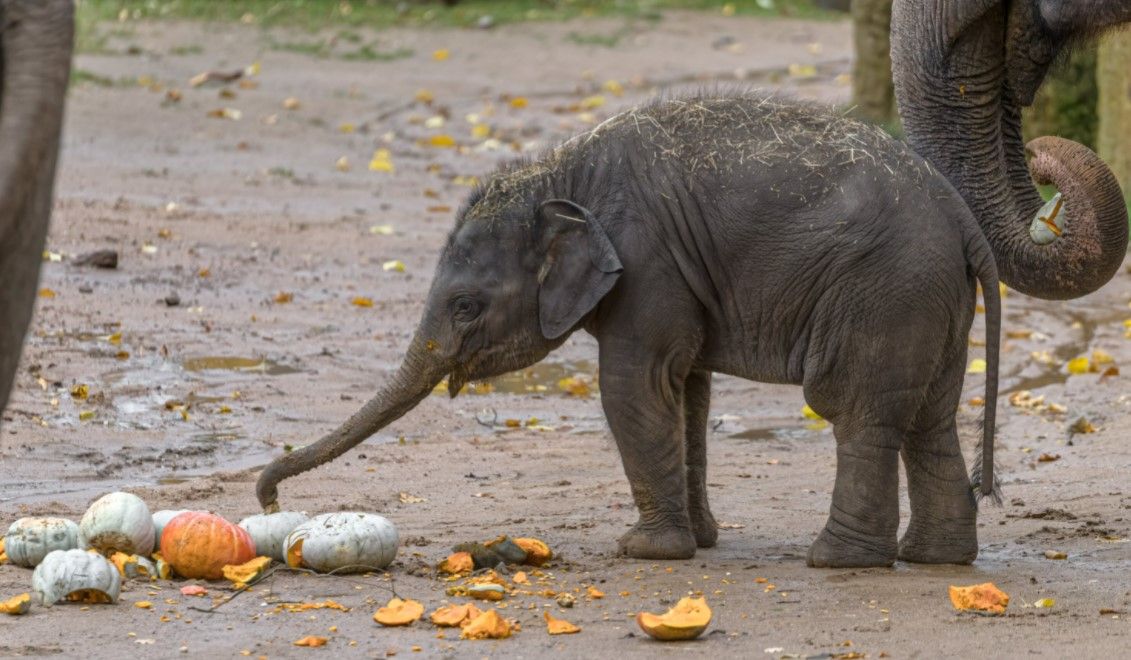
column 118, row 522
column 344, row 542
column 160, row 519
column 269, row 531
column 66, row 572
column 30, row 539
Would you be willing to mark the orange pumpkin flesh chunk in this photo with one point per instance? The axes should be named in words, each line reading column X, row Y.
column 984, row 597
column 3, row 553
column 537, row 552
column 687, row 620
column 88, row 596
column 294, row 554
column 451, row 616
column 488, row 625
column 559, row 626
column 399, row 612
column 460, row 562
column 243, row 574
column 311, row 640
column 16, row 605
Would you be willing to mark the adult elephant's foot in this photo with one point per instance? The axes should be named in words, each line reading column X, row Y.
column 939, row 543
column 834, row 550
column 703, row 525
column 647, row 542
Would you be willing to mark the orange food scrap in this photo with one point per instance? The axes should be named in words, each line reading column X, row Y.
column 244, row 574
column 488, row 625
column 520, row 578
column 687, row 620
column 311, row 641
column 194, row 590
column 460, row 562
column 984, row 597
column 537, row 552
column 594, row 592
column 559, row 626
column 399, row 612
column 16, row 605
column 451, row 616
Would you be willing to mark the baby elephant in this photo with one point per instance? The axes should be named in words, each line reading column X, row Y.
column 743, row 235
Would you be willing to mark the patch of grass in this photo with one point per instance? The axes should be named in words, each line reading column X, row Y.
column 369, row 53
column 319, row 48
column 190, row 49
column 319, row 14
column 82, row 76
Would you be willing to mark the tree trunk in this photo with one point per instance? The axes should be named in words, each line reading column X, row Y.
column 872, row 92
column 1065, row 105
column 1113, row 138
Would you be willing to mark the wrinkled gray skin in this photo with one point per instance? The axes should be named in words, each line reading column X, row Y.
column 744, row 236
column 35, row 62
column 963, row 70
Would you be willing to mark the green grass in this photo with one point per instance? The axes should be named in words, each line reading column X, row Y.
column 319, row 14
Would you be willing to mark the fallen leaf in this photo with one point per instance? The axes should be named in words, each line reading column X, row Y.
column 592, row 102
column 977, row 366
column 559, row 626
column 1080, row 365
column 519, row 102
column 381, row 161
column 361, row 301
column 381, row 230
column 613, row 87
column 283, row 297
column 396, row 265
column 47, row 293
column 86, row 415
column 441, row 54
column 984, row 597
column 442, row 141
column 1018, row 334
column 1044, row 603
column 80, row 392
column 1048, row 458
column 801, row 70
column 809, row 413
column 311, row 641
column 574, row 386
column 226, row 113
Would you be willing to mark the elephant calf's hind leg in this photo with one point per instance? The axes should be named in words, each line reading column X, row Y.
column 696, row 406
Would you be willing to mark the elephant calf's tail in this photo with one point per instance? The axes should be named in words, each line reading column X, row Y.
column 982, row 475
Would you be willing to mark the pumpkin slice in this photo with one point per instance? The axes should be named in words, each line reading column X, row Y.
column 294, row 554
column 451, row 616
column 687, row 620
column 559, row 626
column 164, row 570
column 537, row 552
column 488, row 625
column 459, row 562
column 247, row 573
column 985, row 597
column 399, row 612
column 16, row 605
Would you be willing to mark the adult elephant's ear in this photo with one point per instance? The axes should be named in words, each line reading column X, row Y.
column 580, row 265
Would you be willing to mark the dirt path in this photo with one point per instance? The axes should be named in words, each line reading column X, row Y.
column 228, row 214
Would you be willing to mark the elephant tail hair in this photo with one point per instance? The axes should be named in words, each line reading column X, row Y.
column 982, row 476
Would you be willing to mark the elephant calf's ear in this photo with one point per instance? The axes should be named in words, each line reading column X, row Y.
column 580, row 265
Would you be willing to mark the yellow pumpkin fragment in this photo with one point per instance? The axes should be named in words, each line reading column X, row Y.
column 3, row 553
column 687, row 620
column 537, row 552
column 311, row 641
column 294, row 554
column 244, row 574
column 451, row 616
column 16, row 605
column 594, row 592
column 459, row 562
column 985, row 597
column 559, row 626
column 399, row 612
column 488, row 625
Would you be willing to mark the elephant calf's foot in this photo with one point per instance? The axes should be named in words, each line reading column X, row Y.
column 833, row 551
column 658, row 543
column 938, row 544
column 705, row 528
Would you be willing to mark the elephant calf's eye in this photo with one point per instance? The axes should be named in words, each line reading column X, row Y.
column 466, row 309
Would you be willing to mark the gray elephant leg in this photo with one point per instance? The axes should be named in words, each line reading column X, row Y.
column 696, row 404
column 943, row 527
column 642, row 395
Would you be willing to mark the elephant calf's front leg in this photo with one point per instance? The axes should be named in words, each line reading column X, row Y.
column 643, row 402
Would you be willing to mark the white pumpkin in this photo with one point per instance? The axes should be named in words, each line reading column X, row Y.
column 345, row 542
column 160, row 519
column 86, row 576
column 117, row 522
column 269, row 531
column 30, row 539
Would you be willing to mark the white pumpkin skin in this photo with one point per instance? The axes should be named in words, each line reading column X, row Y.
column 355, row 542
column 269, row 531
column 160, row 519
column 29, row 540
column 64, row 572
column 117, row 522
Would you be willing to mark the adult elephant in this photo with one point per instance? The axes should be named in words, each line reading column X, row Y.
column 963, row 70
column 36, row 40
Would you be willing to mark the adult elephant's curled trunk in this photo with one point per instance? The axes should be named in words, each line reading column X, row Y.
column 418, row 374
column 963, row 69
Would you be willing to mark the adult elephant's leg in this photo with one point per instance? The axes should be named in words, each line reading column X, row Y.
column 943, row 526
column 642, row 393
column 696, row 406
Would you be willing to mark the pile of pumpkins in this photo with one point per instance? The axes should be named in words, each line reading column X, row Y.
column 118, row 538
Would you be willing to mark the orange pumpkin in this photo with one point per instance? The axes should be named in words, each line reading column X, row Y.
column 198, row 545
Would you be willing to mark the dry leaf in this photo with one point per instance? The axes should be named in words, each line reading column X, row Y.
column 1044, row 603
column 984, row 597
column 559, row 626
column 977, row 366
column 1080, row 365
column 381, row 161
column 361, row 301
column 442, row 141
column 519, row 102
column 283, row 297
column 441, row 54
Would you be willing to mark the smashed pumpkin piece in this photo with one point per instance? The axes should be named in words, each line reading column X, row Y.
column 459, row 562
column 311, row 640
column 93, row 596
column 399, row 612
column 294, row 554
column 3, row 553
column 537, row 552
column 559, row 626
column 16, row 605
column 488, row 625
column 451, row 616
column 984, row 597
column 594, row 592
column 247, row 573
column 687, row 620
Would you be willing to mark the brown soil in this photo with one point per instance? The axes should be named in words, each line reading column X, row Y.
column 239, row 211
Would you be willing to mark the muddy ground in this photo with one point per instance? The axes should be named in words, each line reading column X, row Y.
column 227, row 214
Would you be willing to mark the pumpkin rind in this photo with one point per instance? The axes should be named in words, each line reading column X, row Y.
column 29, row 540
column 269, row 531
column 198, row 545
column 64, row 573
column 537, row 552
column 118, row 522
column 687, row 620
column 343, row 542
column 244, row 574
column 160, row 519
